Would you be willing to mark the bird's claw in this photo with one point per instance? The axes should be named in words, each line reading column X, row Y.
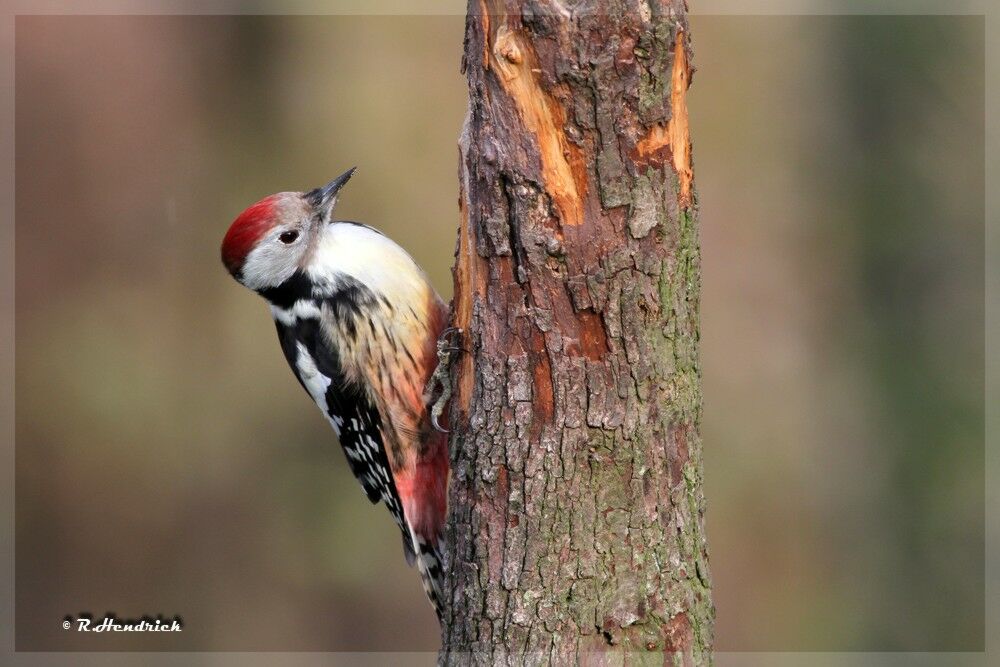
column 434, row 423
column 442, row 376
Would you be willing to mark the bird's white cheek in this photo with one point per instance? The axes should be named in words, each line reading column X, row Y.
column 269, row 265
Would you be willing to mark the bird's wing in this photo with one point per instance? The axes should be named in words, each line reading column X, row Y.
column 354, row 418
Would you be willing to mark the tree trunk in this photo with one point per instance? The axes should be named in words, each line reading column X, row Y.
column 576, row 506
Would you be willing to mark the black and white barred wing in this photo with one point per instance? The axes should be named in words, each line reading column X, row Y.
column 358, row 426
column 355, row 420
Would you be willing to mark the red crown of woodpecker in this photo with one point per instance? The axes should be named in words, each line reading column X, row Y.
column 246, row 230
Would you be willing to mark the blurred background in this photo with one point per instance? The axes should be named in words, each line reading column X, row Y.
column 167, row 462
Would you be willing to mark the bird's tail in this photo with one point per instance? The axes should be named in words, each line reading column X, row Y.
column 431, row 575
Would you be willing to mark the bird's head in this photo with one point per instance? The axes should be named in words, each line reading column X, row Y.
column 270, row 240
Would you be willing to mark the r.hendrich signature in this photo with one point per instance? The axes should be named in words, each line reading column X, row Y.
column 111, row 623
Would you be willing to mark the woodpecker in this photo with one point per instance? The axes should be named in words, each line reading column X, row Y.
column 358, row 322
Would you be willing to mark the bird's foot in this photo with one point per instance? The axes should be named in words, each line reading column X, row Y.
column 442, row 375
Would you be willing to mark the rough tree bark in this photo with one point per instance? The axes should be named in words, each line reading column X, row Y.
column 576, row 506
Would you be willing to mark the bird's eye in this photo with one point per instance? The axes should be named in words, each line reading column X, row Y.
column 288, row 237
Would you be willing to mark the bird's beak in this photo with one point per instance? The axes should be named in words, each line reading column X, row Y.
column 325, row 198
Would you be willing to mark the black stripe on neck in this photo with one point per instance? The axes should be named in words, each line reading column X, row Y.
column 298, row 286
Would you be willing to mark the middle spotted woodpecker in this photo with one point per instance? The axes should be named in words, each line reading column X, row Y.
column 358, row 322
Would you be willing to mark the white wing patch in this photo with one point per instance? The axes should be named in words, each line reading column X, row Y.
column 316, row 384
